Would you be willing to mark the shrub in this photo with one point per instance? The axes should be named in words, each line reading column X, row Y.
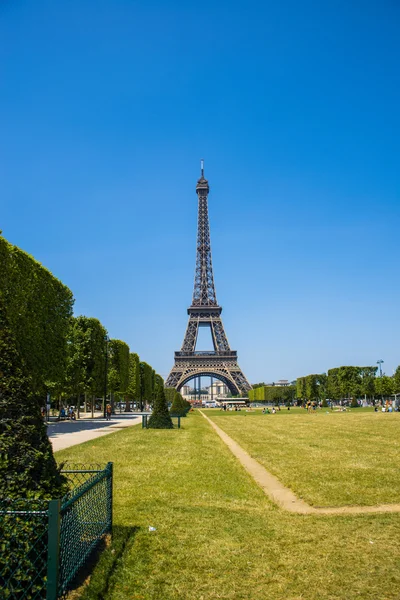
column 160, row 417
column 178, row 407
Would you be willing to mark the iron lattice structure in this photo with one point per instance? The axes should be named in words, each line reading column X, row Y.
column 220, row 363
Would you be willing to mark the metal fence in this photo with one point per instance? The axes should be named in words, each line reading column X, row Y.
column 44, row 544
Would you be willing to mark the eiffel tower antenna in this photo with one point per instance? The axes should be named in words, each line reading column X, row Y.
column 221, row 362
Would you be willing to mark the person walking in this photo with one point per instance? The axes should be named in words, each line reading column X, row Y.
column 108, row 412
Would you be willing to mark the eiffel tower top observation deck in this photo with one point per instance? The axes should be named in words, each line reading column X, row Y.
column 221, row 362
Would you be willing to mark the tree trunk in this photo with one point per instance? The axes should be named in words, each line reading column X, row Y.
column 85, row 402
column 92, row 407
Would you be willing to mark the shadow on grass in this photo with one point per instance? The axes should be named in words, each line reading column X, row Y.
column 93, row 582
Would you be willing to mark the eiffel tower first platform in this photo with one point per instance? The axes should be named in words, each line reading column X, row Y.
column 205, row 312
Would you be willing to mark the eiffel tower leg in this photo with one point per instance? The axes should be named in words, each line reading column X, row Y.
column 190, row 339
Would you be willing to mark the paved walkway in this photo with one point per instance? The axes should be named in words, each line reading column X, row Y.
column 284, row 496
column 64, row 434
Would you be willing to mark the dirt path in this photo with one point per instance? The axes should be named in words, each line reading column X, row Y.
column 282, row 495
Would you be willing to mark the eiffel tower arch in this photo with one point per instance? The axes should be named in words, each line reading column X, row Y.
column 221, row 362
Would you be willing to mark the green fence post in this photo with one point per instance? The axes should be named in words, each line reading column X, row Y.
column 110, row 496
column 53, row 549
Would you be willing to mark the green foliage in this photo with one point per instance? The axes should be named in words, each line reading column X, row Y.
column 118, row 367
column 160, row 417
column 134, row 377
column 272, row 393
column 396, row 381
column 169, row 394
column 179, row 406
column 146, row 383
column 324, row 403
column 27, row 465
column 333, row 385
column 368, row 375
column 354, row 403
column 39, row 308
column 311, row 387
column 158, row 381
column 86, row 356
column 351, row 382
column 384, row 386
column 301, row 391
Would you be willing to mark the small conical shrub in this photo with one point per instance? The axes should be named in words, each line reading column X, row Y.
column 160, row 417
column 27, row 465
column 178, row 407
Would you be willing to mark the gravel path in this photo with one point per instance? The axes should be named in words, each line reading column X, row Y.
column 282, row 495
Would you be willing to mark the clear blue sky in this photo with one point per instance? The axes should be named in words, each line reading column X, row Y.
column 105, row 111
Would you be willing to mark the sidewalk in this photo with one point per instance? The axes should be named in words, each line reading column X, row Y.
column 64, row 434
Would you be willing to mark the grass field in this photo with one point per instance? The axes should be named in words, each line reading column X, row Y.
column 218, row 536
column 328, row 459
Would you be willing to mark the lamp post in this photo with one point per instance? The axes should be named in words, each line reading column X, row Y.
column 106, row 339
column 379, row 362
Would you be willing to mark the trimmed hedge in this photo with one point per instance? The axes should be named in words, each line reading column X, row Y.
column 39, row 308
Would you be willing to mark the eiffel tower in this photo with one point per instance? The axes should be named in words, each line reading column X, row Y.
column 220, row 363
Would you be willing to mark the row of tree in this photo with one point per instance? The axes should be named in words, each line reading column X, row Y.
column 90, row 355
column 63, row 355
column 339, row 383
column 347, row 382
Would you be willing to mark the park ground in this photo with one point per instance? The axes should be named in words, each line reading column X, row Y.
column 216, row 533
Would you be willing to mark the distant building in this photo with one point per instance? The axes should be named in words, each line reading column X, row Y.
column 218, row 389
column 279, row 383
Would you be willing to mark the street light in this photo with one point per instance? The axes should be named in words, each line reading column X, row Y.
column 379, row 362
column 106, row 339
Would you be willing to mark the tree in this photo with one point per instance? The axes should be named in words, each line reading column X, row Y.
column 301, row 391
column 396, row 381
column 134, row 378
column 118, row 369
column 384, row 386
column 332, row 384
column 158, row 381
column 146, row 383
column 169, row 394
column 27, row 465
column 160, row 417
column 86, row 357
column 368, row 375
column 350, row 382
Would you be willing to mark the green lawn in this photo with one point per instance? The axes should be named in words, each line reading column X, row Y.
column 328, row 459
column 218, row 536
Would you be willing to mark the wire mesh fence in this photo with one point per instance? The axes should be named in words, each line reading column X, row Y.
column 44, row 544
